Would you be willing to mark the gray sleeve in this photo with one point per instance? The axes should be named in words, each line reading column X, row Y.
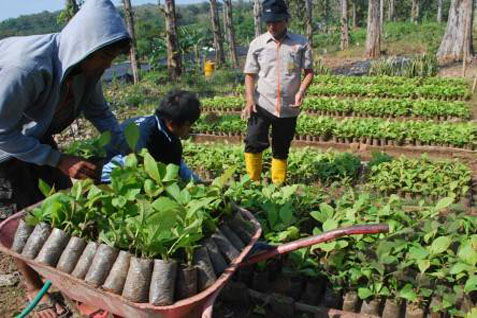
column 307, row 61
column 19, row 89
column 97, row 111
column 251, row 63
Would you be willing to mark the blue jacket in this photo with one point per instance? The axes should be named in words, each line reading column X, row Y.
column 32, row 73
column 159, row 141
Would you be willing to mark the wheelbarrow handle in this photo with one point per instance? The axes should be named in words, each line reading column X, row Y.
column 317, row 239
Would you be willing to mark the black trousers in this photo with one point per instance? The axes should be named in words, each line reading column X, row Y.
column 258, row 130
column 19, row 183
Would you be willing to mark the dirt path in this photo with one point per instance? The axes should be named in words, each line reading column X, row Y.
column 12, row 298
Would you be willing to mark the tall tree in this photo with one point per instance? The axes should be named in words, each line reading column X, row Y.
column 344, row 25
column 353, row 14
column 381, row 15
column 439, row 11
column 415, row 11
column 218, row 38
column 457, row 40
column 391, row 10
column 174, row 61
column 129, row 17
column 229, row 25
column 71, row 7
column 257, row 17
column 309, row 20
column 373, row 34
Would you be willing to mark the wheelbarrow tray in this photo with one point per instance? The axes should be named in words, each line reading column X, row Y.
column 197, row 306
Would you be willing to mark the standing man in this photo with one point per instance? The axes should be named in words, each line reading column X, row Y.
column 46, row 82
column 275, row 61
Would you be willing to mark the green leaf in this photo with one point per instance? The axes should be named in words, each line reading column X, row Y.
column 326, row 247
column 423, row 265
column 329, row 225
column 471, row 284
column 327, row 209
column 418, row 253
column 165, row 205
column 131, row 161
column 174, row 191
column 131, row 132
column 44, row 187
column 440, row 245
column 172, row 173
column 119, row 202
column 364, row 293
column 444, row 203
column 408, row 293
column 150, row 166
column 104, row 139
column 286, row 214
column 468, row 253
column 224, row 178
column 319, row 216
column 272, row 215
column 459, row 268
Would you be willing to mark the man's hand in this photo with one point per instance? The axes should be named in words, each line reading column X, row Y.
column 77, row 168
column 249, row 108
column 299, row 98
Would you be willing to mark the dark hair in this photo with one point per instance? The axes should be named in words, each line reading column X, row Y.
column 179, row 107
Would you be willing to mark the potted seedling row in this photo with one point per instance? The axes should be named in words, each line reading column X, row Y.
column 146, row 236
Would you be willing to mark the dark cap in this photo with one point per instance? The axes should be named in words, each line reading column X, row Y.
column 274, row 11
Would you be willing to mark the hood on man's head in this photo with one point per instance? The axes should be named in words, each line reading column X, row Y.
column 96, row 25
column 274, row 11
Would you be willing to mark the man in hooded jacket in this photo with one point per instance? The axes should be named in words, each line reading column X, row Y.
column 47, row 82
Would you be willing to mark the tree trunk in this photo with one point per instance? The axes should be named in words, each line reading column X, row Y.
column 381, row 16
column 415, row 11
column 439, row 11
column 457, row 40
column 257, row 17
column 373, row 36
column 174, row 61
column 309, row 21
column 353, row 14
column 128, row 16
column 391, row 10
column 218, row 39
column 231, row 32
column 344, row 25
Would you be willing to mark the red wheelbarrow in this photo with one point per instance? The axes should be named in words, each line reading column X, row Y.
column 198, row 306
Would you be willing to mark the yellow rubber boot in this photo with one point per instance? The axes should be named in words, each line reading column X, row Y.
column 279, row 171
column 253, row 165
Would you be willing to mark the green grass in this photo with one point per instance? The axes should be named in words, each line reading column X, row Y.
column 399, row 38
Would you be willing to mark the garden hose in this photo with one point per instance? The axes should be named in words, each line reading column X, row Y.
column 35, row 300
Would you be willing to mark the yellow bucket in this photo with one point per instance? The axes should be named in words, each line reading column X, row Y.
column 209, row 68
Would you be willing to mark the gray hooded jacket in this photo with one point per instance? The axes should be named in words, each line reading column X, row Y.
column 32, row 71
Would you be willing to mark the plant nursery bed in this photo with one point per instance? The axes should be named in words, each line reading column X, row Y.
column 341, row 116
column 365, row 150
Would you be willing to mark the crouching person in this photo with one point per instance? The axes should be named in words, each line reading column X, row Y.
column 161, row 132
